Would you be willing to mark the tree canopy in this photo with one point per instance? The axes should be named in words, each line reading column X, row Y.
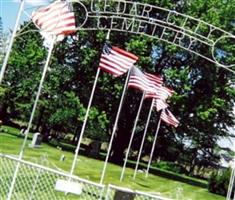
column 203, row 102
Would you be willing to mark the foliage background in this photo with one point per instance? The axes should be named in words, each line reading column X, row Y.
column 203, row 103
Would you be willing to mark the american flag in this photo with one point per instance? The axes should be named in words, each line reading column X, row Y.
column 138, row 80
column 157, row 79
column 160, row 92
column 169, row 118
column 116, row 61
column 55, row 19
column 160, row 104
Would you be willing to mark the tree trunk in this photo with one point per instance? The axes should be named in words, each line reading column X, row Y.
column 3, row 113
column 125, row 126
column 76, row 135
column 120, row 144
column 192, row 167
column 41, row 112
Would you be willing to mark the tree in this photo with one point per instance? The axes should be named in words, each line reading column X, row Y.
column 203, row 101
column 204, row 98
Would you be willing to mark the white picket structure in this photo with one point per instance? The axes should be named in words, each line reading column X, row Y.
column 37, row 182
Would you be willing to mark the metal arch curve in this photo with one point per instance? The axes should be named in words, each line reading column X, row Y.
column 179, row 26
column 169, row 42
column 214, row 49
column 84, row 2
column 85, row 9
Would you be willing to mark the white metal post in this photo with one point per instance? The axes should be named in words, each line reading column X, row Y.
column 86, row 116
column 108, row 193
column 143, row 139
column 84, row 122
column 153, row 147
column 231, row 182
column 132, row 136
column 115, row 127
column 4, row 65
column 31, row 118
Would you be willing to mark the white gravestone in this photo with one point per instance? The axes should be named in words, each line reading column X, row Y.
column 37, row 140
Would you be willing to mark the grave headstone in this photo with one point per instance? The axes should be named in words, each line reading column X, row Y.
column 37, row 140
column 62, row 158
column 124, row 195
column 94, row 148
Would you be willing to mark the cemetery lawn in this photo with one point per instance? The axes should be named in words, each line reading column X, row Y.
column 91, row 169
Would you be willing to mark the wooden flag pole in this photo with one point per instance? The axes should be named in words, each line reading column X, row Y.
column 114, row 127
column 84, row 123
column 153, row 147
column 143, row 139
column 31, row 118
column 4, row 65
column 132, row 136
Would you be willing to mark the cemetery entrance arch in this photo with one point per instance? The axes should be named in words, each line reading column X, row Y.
column 166, row 25
column 163, row 24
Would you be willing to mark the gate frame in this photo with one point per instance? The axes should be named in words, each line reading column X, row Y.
column 166, row 24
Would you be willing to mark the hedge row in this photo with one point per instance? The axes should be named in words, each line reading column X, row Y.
column 171, row 175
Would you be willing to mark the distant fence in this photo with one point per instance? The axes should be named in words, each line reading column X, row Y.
column 37, row 182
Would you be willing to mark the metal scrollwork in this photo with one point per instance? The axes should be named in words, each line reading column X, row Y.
column 166, row 25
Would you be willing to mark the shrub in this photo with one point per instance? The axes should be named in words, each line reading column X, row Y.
column 168, row 166
column 172, row 175
column 219, row 181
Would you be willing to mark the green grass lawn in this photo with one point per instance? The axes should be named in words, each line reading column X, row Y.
column 91, row 169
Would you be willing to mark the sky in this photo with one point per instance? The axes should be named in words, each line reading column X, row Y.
column 9, row 10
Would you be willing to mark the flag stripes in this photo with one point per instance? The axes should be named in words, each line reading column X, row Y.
column 152, row 95
column 116, row 61
column 160, row 93
column 169, row 118
column 151, row 84
column 55, row 19
column 169, row 90
column 157, row 79
column 160, row 104
column 138, row 80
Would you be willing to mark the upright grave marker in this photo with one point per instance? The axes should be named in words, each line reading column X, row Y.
column 37, row 141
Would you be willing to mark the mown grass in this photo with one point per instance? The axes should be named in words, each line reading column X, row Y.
column 91, row 169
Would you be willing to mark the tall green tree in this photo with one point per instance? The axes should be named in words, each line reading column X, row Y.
column 203, row 101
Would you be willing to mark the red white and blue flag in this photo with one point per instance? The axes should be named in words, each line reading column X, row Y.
column 116, row 61
column 156, row 79
column 160, row 104
column 160, row 92
column 169, row 118
column 138, row 80
column 55, row 19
